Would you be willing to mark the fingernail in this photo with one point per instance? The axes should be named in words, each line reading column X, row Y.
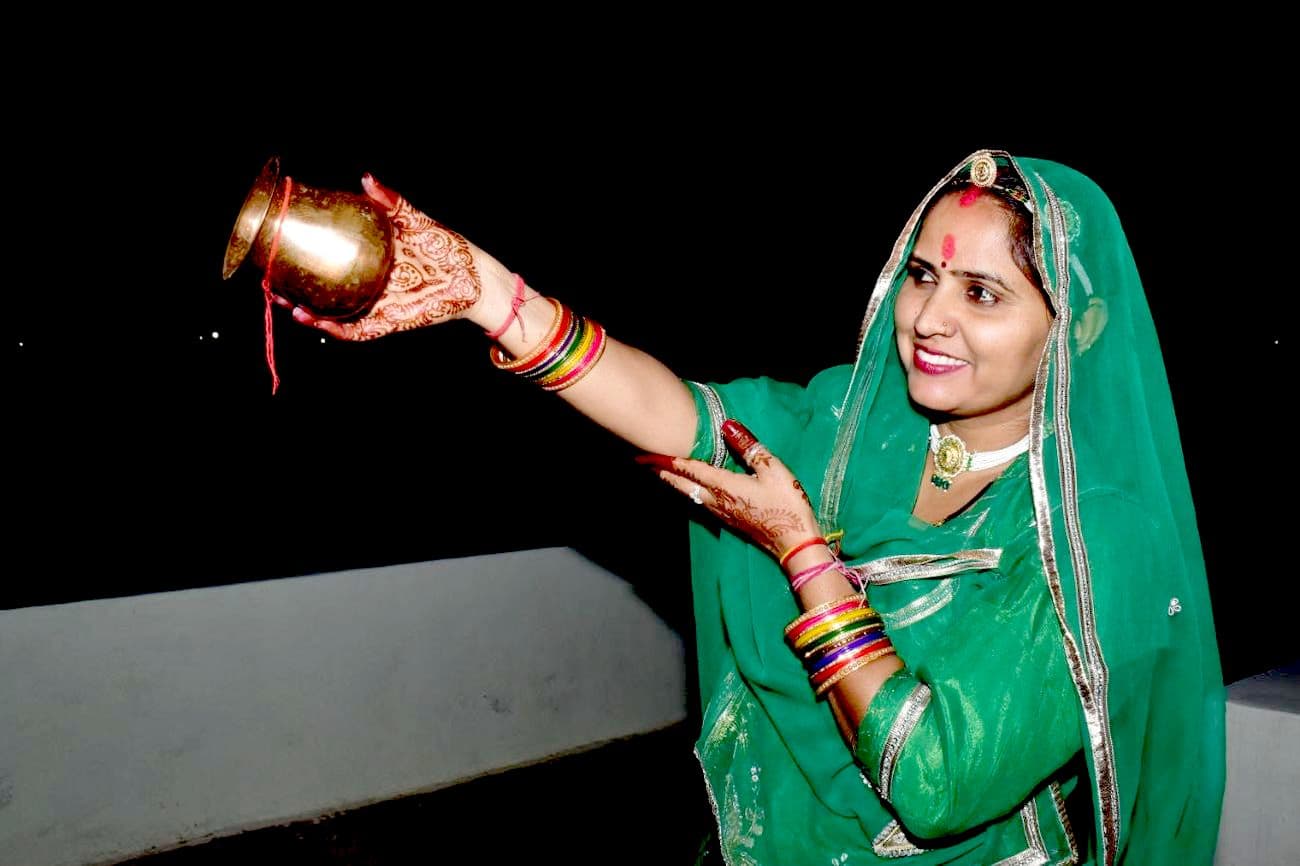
column 658, row 461
column 738, row 435
column 301, row 315
column 378, row 191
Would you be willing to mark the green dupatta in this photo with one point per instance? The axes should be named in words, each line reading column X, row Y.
column 1062, row 700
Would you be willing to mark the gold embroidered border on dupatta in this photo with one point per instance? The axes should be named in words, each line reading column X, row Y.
column 1090, row 679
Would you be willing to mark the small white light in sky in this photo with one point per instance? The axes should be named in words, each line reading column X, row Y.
column 215, row 334
column 1275, row 342
column 20, row 344
column 200, row 338
column 322, row 339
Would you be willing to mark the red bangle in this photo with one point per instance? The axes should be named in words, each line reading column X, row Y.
column 559, row 332
column 785, row 557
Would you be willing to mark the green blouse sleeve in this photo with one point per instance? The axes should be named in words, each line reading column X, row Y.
column 709, row 415
column 776, row 412
column 967, row 738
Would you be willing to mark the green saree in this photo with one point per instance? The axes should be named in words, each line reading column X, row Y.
column 1062, row 700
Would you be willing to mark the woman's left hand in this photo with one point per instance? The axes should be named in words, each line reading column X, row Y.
column 769, row 505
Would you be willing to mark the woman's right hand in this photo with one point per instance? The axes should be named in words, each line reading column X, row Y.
column 437, row 275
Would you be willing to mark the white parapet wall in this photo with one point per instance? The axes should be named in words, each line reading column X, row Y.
column 142, row 723
column 1261, row 806
column 151, row 721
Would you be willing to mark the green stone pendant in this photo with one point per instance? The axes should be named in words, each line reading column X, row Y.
column 940, row 482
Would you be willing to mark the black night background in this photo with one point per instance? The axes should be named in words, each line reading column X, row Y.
column 729, row 222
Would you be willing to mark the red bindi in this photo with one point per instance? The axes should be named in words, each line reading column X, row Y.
column 949, row 246
column 969, row 196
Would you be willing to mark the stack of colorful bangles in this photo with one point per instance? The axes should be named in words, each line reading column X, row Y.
column 566, row 353
column 837, row 638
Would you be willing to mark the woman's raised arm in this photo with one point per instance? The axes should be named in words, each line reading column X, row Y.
column 438, row 275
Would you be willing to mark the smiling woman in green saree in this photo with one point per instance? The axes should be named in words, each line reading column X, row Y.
column 1061, row 700
column 1029, row 675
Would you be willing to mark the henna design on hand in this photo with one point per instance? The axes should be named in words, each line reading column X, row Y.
column 765, row 525
column 433, row 277
column 432, row 256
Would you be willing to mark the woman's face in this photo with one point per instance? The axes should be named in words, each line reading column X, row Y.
column 970, row 326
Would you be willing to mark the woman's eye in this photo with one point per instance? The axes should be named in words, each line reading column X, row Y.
column 919, row 274
column 981, row 295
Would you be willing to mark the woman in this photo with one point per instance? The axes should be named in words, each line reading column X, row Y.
column 1032, row 677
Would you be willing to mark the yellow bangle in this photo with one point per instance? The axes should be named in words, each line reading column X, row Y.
column 821, row 609
column 832, row 624
column 849, row 636
column 600, row 353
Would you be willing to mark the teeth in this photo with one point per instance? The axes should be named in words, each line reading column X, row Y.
column 938, row 360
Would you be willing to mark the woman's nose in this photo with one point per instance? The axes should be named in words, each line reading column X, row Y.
column 935, row 316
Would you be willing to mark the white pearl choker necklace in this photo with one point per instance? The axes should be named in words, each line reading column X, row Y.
column 952, row 459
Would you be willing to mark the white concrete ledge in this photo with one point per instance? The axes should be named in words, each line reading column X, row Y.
column 150, row 721
column 1260, row 812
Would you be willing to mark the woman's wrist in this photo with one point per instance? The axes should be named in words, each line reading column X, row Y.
column 802, row 549
column 810, row 557
column 511, row 314
column 497, row 290
column 819, row 575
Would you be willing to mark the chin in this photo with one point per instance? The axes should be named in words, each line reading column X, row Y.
column 932, row 399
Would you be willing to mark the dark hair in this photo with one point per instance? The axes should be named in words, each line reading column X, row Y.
column 1007, row 191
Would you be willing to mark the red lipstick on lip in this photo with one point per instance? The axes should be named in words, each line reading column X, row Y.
column 931, row 369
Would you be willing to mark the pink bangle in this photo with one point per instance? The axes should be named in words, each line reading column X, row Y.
column 515, row 304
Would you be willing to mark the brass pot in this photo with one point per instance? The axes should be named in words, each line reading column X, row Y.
column 334, row 249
